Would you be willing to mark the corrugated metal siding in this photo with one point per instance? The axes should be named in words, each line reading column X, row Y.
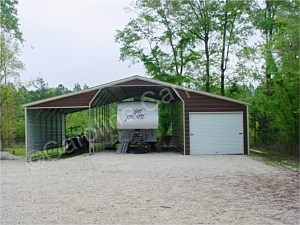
column 177, row 125
column 45, row 130
column 83, row 99
column 195, row 102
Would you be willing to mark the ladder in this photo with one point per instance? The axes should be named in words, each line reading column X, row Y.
column 122, row 148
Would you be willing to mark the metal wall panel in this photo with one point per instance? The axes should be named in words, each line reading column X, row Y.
column 195, row 102
column 45, row 129
column 177, row 125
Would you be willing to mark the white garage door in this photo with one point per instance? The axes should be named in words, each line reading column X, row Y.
column 216, row 133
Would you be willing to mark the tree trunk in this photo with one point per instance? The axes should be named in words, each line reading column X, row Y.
column 270, row 61
column 207, row 83
column 222, row 82
column 223, row 52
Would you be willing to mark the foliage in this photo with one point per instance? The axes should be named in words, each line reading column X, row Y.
column 9, row 19
column 155, row 39
column 233, row 31
column 75, row 119
column 255, row 42
column 164, row 112
column 279, row 158
column 276, row 100
column 10, row 66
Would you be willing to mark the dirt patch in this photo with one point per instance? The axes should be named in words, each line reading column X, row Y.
column 166, row 188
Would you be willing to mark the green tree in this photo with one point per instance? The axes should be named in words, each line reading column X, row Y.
column 61, row 90
column 275, row 103
column 77, row 87
column 186, row 39
column 196, row 17
column 265, row 20
column 285, row 81
column 154, row 39
column 232, row 22
column 19, row 127
column 10, row 39
column 41, row 89
column 9, row 20
column 9, row 114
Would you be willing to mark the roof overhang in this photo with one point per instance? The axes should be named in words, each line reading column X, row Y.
column 118, row 90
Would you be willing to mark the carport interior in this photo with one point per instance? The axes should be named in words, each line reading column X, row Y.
column 46, row 126
column 103, row 112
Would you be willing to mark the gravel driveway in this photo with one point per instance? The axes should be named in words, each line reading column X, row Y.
column 164, row 188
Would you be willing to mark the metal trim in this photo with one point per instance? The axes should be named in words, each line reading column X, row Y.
column 91, row 102
column 60, row 107
column 26, row 134
column 90, row 146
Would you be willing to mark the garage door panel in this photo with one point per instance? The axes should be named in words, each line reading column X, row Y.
column 216, row 133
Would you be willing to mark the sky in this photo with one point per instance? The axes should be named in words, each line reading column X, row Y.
column 72, row 41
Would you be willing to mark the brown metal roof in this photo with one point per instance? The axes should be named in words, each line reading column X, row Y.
column 134, row 86
column 79, row 100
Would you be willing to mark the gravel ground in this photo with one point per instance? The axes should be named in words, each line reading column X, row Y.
column 8, row 156
column 164, row 188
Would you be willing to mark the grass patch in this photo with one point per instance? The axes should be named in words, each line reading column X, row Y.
column 18, row 151
column 46, row 155
column 278, row 157
column 56, row 154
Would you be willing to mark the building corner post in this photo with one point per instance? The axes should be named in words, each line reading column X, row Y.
column 248, row 139
column 90, row 131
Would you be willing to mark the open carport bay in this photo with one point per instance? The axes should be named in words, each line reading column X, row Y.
column 164, row 188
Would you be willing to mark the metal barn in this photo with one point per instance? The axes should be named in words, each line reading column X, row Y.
column 202, row 123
